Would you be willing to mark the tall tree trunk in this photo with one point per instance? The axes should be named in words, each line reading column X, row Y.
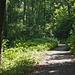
column 2, row 10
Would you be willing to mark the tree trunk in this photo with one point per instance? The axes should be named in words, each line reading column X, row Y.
column 2, row 10
column 24, row 13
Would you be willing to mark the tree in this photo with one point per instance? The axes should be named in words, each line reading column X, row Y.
column 28, row 19
column 2, row 10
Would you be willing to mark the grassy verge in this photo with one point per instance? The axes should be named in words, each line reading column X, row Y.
column 21, row 59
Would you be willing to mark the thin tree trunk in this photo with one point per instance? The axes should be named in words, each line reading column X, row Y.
column 2, row 10
column 44, row 12
column 69, row 9
column 24, row 13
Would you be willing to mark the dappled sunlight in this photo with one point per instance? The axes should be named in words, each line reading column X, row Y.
column 56, row 62
column 57, row 57
column 21, row 59
column 58, row 52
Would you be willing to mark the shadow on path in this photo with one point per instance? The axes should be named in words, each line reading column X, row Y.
column 59, row 61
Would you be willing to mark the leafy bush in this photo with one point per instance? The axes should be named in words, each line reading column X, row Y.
column 5, row 43
column 21, row 59
column 71, row 43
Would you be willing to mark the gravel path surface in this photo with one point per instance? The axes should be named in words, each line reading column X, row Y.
column 56, row 62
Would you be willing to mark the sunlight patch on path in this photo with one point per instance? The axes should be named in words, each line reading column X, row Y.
column 58, row 61
column 57, row 57
column 57, row 52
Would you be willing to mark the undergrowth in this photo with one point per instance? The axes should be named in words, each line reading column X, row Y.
column 71, row 44
column 22, row 58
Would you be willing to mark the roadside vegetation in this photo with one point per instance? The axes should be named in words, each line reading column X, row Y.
column 23, row 57
column 71, row 43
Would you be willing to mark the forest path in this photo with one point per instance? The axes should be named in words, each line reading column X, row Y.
column 59, row 61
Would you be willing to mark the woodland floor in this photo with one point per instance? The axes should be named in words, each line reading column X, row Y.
column 59, row 61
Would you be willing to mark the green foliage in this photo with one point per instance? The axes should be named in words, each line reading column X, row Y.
column 71, row 43
column 35, row 42
column 32, row 19
column 71, row 40
column 5, row 43
column 62, row 23
column 21, row 59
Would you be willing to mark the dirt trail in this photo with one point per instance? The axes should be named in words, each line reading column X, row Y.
column 56, row 62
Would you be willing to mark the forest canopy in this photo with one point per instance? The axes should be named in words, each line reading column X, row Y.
column 27, row 19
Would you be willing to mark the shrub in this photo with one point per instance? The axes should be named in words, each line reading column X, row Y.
column 71, row 43
column 21, row 59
